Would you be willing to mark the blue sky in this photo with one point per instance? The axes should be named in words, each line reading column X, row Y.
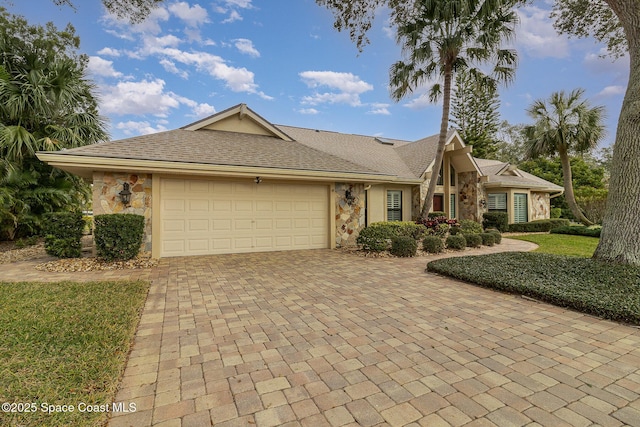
column 283, row 58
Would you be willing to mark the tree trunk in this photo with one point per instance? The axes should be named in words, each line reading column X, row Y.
column 569, row 196
column 442, row 140
column 620, row 238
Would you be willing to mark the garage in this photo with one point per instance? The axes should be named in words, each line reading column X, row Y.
column 201, row 217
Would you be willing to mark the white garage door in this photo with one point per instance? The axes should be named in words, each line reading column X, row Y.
column 201, row 217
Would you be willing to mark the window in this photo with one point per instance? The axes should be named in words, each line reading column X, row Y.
column 452, row 176
column 497, row 202
column 438, row 203
column 394, row 205
column 440, row 180
column 452, row 206
column 520, row 207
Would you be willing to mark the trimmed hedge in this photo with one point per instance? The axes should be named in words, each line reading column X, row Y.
column 403, row 246
column 377, row 236
column 608, row 290
column 497, row 220
column 541, row 225
column 63, row 234
column 432, row 244
column 577, row 230
column 474, row 240
column 436, row 214
column 470, row 226
column 118, row 236
column 457, row 242
column 488, row 239
column 496, row 235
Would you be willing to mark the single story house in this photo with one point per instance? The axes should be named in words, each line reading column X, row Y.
column 234, row 182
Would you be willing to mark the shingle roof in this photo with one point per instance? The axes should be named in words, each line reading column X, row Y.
column 494, row 170
column 221, row 148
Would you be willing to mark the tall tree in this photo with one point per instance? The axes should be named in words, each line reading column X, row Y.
column 474, row 112
column 438, row 39
column 565, row 124
column 46, row 103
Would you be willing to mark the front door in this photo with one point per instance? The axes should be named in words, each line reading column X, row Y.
column 438, row 203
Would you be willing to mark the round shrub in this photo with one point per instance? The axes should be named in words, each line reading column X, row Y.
column 488, row 239
column 496, row 235
column 118, row 236
column 499, row 220
column 432, row 244
column 374, row 239
column 403, row 246
column 474, row 240
column 470, row 226
column 457, row 242
column 455, row 229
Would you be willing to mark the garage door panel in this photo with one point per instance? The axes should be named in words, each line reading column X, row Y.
column 208, row 217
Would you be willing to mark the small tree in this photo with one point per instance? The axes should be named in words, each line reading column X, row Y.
column 565, row 124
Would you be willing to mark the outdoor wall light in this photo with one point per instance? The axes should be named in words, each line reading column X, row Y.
column 125, row 194
column 258, row 180
column 349, row 197
column 483, row 203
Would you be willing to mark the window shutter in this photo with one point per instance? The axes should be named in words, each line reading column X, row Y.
column 394, row 205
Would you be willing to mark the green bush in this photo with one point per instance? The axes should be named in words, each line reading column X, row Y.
column 63, row 234
column 488, row 239
column 403, row 246
column 577, row 230
column 436, row 214
column 541, row 225
column 470, row 226
column 454, row 229
column 457, row 242
column 473, row 240
column 377, row 236
column 496, row 235
column 607, row 290
column 432, row 244
column 23, row 242
column 497, row 220
column 556, row 213
column 118, row 236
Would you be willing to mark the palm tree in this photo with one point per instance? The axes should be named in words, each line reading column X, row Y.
column 440, row 37
column 46, row 103
column 564, row 124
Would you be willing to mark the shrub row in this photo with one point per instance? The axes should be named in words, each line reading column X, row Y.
column 118, row 237
column 577, row 230
column 541, row 225
column 497, row 220
column 602, row 289
column 377, row 236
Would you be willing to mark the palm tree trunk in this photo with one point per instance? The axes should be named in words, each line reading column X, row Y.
column 442, row 140
column 620, row 238
column 569, row 196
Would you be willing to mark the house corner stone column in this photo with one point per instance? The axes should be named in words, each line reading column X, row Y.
column 106, row 200
column 350, row 214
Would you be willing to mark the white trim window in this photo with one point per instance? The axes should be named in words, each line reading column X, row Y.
column 497, row 202
column 394, row 205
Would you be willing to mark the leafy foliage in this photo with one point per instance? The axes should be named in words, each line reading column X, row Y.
column 577, row 230
column 46, row 103
column 497, row 220
column 608, row 290
column 457, row 242
column 474, row 240
column 63, row 234
column 403, row 246
column 432, row 244
column 377, row 236
column 474, row 111
column 118, row 236
column 470, row 226
column 488, row 239
column 541, row 225
column 135, row 11
column 497, row 236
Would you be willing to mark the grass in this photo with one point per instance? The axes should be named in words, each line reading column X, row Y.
column 65, row 343
column 562, row 244
column 611, row 291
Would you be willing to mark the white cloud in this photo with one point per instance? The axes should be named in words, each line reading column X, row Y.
column 231, row 7
column 419, row 102
column 308, row 111
column 349, row 87
column 536, row 35
column 380, row 109
column 233, row 17
column 139, row 128
column 171, row 67
column 246, row 46
column 102, row 67
column 611, row 91
column 108, row 51
column 138, row 98
column 242, row 4
column 192, row 16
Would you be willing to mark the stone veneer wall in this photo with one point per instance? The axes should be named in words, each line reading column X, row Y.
column 469, row 196
column 540, row 206
column 350, row 219
column 107, row 185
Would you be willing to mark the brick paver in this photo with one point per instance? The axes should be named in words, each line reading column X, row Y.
column 324, row 338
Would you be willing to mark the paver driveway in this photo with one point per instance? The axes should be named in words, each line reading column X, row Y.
column 317, row 338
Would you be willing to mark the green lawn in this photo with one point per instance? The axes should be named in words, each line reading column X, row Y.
column 65, row 344
column 562, row 244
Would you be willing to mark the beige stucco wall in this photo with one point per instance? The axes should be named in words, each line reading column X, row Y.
column 107, row 185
